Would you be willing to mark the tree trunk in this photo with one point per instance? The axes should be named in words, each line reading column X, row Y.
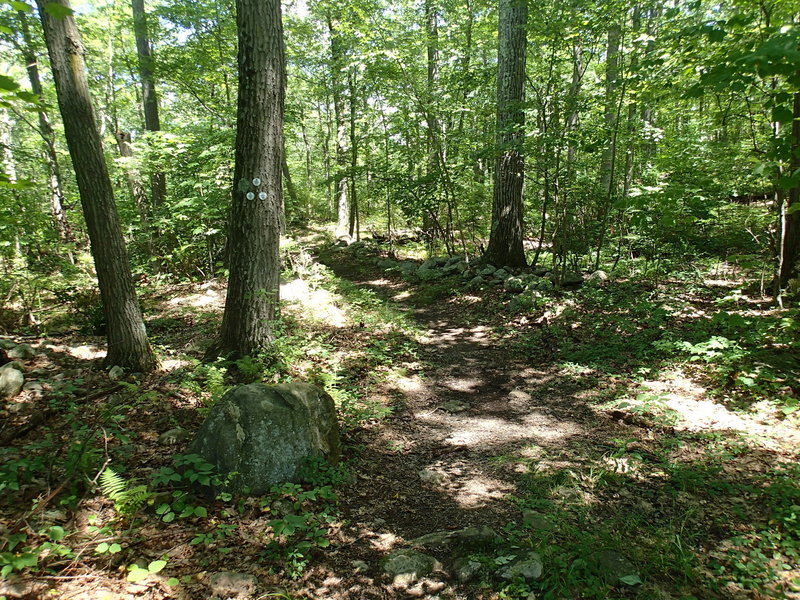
column 127, row 340
column 57, row 205
column 342, row 160
column 251, row 306
column 158, row 184
column 790, row 208
column 505, row 242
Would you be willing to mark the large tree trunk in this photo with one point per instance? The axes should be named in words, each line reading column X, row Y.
column 505, row 242
column 251, row 306
column 158, row 184
column 57, row 204
column 127, row 340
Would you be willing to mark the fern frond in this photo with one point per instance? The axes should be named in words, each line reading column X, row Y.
column 127, row 502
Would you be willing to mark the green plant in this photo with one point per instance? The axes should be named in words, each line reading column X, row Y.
column 127, row 500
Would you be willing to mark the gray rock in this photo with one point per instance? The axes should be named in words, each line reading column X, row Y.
column 466, row 569
column 174, row 436
column 35, row 387
column 433, row 477
column 502, row 274
column 359, row 566
column 476, row 282
column 22, row 351
column 441, row 260
column 572, row 278
column 453, row 260
column 116, row 372
column 597, row 278
column 7, row 344
column 529, row 568
column 407, row 566
column 458, row 267
column 540, row 271
column 11, row 380
column 537, row 521
column 386, row 263
column 469, row 537
column 514, row 285
column 543, row 285
column 226, row 584
column 430, row 274
column 266, row 433
column 407, row 267
column 429, row 264
column 614, row 567
column 487, row 270
column 454, row 406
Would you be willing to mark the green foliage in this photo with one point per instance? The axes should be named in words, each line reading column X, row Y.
column 305, row 516
column 128, row 500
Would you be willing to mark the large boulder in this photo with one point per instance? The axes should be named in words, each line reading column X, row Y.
column 266, row 433
column 11, row 380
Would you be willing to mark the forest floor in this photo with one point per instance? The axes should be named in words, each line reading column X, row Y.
column 572, row 431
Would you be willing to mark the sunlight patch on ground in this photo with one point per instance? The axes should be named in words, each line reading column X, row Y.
column 317, row 304
column 209, row 297
column 86, row 352
column 483, row 431
column 173, row 363
column 468, row 488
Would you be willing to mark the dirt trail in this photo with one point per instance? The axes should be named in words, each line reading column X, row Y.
column 462, row 435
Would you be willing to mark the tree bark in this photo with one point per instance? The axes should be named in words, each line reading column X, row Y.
column 342, row 159
column 158, row 183
column 127, row 340
column 789, row 264
column 251, row 306
column 57, row 204
column 505, row 241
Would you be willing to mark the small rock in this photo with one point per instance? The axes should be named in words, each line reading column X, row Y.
column 454, row 406
column 407, row 566
column 519, row 396
column 22, row 351
column 174, row 436
column 537, row 521
column 466, row 569
column 543, row 285
column 21, row 589
column 487, row 270
column 437, row 540
column 597, row 278
column 226, row 584
column 116, row 372
column 11, row 380
column 572, row 278
column 614, row 567
column 429, row 274
column 7, row 344
column 434, row 477
column 359, row 566
column 35, row 387
column 529, row 568
column 502, row 274
column 540, row 271
column 476, row 282
column 378, row 522
column 514, row 285
column 429, row 264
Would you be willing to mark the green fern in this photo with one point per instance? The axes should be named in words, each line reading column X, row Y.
column 127, row 501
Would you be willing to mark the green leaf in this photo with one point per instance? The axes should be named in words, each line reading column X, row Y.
column 630, row 579
column 56, row 533
column 59, row 11
column 782, row 114
column 201, row 511
column 6, row 30
column 6, row 83
column 137, row 574
column 173, row 582
column 102, row 547
column 21, row 6
column 169, row 517
column 156, row 566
